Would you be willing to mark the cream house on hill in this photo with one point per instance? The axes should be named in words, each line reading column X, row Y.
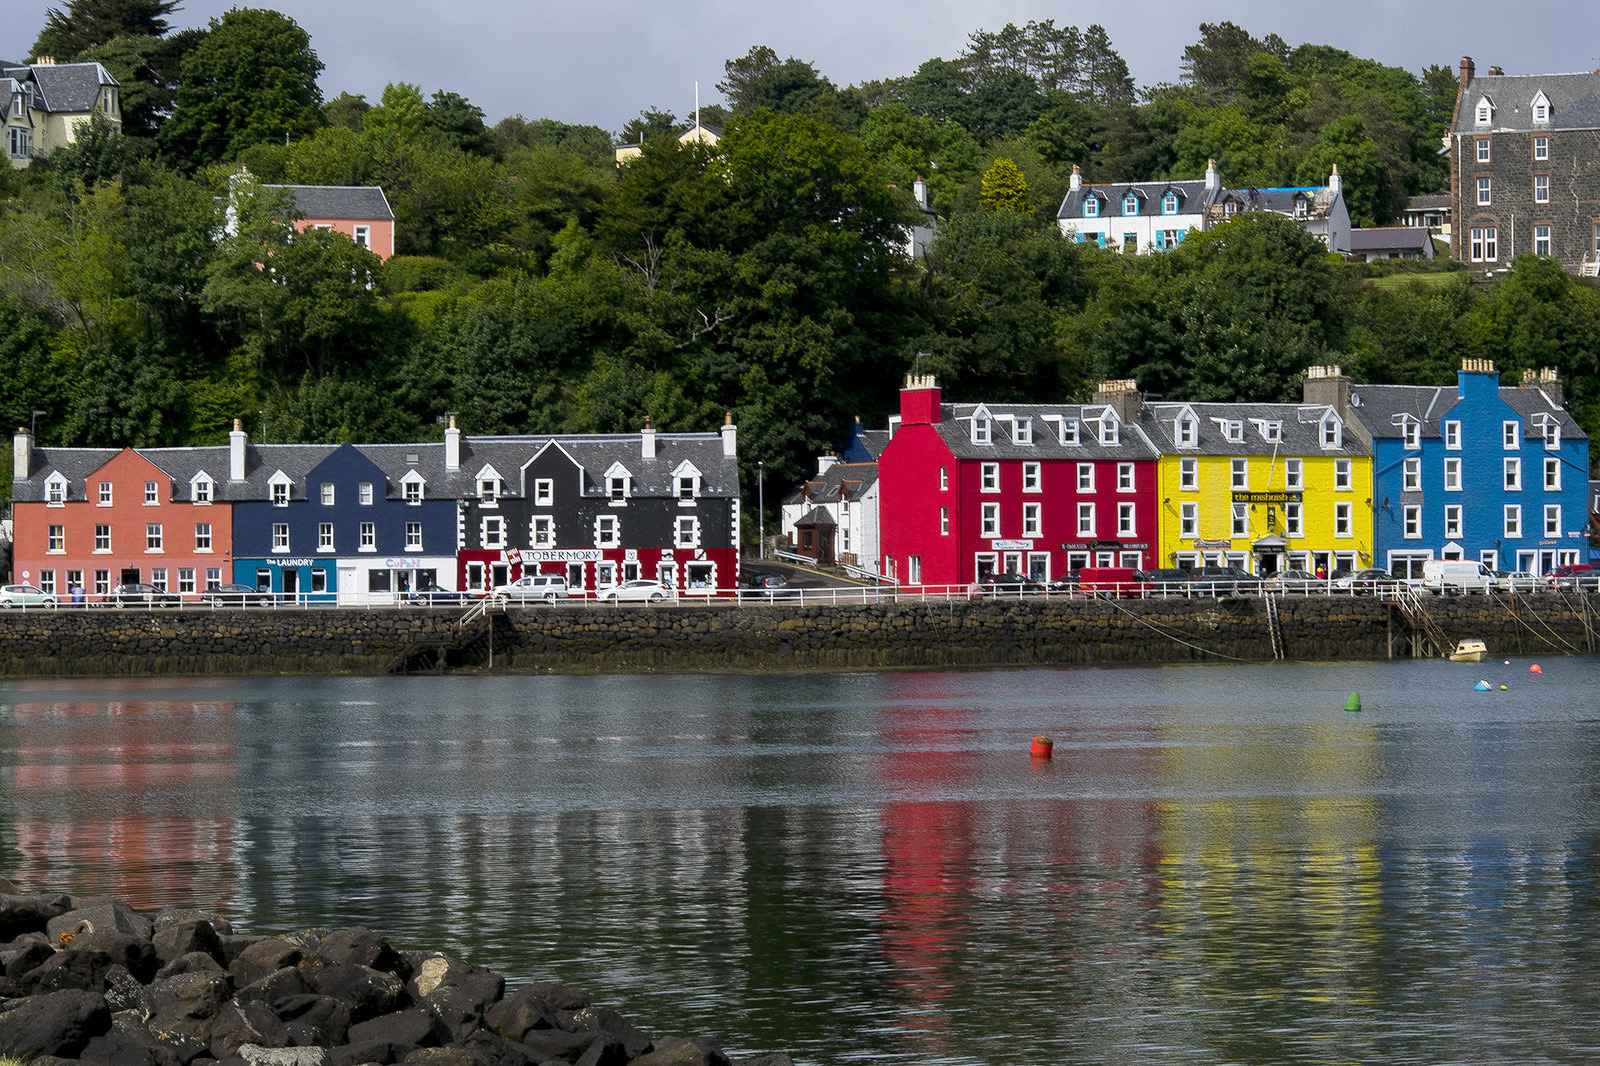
column 43, row 103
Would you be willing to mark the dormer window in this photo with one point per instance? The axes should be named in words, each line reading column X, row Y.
column 55, row 490
column 619, row 484
column 411, row 488
column 1549, row 429
column 686, row 483
column 488, row 489
column 1188, row 432
column 1130, row 204
column 1069, row 431
column 1485, row 111
column 1302, row 207
column 1109, row 432
column 278, row 489
column 1541, row 108
column 980, row 428
column 1091, row 207
column 1271, row 432
column 1233, row 431
column 1169, row 204
column 1411, row 434
column 200, row 489
column 1332, row 433
column 1023, row 431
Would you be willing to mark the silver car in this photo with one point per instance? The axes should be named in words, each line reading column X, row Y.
column 1517, row 581
column 26, row 596
column 532, row 588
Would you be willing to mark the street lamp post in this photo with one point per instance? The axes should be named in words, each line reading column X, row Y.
column 761, row 506
column 33, row 423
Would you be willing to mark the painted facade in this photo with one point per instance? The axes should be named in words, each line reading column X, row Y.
column 1477, row 471
column 1264, row 486
column 833, row 517
column 972, row 489
column 1136, row 216
column 360, row 212
column 96, row 518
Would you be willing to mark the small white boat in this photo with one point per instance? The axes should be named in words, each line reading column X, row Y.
column 1469, row 651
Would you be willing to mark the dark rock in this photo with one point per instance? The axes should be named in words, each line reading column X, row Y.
column 416, row 1027
column 516, row 1015
column 194, row 962
column 276, row 986
column 100, row 914
column 360, row 946
column 315, row 1021
column 135, row 954
column 561, row 997
column 367, row 992
column 57, row 1023
column 72, row 968
column 560, row 1044
column 30, row 913
column 377, row 1051
column 29, row 956
column 605, row 1051
column 238, row 1024
column 177, row 939
column 432, row 971
column 442, row 1056
column 674, row 1051
column 171, row 916
column 491, row 1050
column 263, row 957
column 614, row 1025
column 254, row 1055
column 186, row 1004
column 461, row 1013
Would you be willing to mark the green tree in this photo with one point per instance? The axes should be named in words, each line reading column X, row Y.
column 147, row 69
column 252, row 80
column 759, row 79
column 346, row 111
column 88, row 23
column 1005, row 189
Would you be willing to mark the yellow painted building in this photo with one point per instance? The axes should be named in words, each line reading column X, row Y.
column 1264, row 486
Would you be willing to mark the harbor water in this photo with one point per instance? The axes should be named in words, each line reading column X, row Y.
column 1218, row 864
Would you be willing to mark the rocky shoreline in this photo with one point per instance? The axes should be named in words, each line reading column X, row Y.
column 94, row 980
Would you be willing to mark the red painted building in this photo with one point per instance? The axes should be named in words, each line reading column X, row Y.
column 1038, row 489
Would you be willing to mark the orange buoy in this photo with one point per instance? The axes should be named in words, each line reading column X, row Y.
column 1534, row 669
column 1041, row 747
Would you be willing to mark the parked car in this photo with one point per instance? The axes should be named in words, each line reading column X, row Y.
column 1296, row 581
column 1067, row 582
column 1574, row 575
column 1369, row 581
column 437, row 597
column 1223, row 580
column 26, row 596
column 135, row 595
column 639, row 590
column 1108, row 581
column 1517, row 581
column 1167, row 581
column 238, row 596
column 767, row 586
column 532, row 588
column 1009, row 583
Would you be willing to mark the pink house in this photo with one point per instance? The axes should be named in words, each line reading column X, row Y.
column 360, row 212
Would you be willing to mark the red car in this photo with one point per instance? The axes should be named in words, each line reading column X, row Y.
column 1575, row 575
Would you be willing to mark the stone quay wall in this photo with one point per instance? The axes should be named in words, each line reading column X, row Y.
column 694, row 638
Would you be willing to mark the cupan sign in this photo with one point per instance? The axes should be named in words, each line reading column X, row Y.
column 1266, row 497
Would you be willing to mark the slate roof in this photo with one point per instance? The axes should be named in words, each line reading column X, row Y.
column 339, row 201
column 817, row 516
column 1438, row 201
column 1192, row 198
column 1319, row 200
column 825, row 486
column 1574, row 102
column 1390, row 238
column 954, row 429
column 68, row 87
column 1379, row 407
column 719, row 473
column 1299, row 426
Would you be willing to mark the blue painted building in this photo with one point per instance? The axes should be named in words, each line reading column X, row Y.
column 326, row 522
column 1478, row 471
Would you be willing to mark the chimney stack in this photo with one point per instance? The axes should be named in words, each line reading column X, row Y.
column 452, row 447
column 919, row 400
column 1076, row 181
column 21, row 454
column 730, row 439
column 1326, row 386
column 919, row 189
column 1213, row 179
column 236, row 441
column 647, row 440
column 1122, row 396
column 1468, row 71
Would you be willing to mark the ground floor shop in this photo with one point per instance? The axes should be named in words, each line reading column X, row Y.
column 688, row 571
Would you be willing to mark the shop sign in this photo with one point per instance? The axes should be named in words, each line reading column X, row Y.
column 1266, row 497
column 553, row 555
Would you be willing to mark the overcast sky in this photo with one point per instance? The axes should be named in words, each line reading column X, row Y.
column 601, row 62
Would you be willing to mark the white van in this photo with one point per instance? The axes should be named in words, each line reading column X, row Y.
column 532, row 588
column 1440, row 576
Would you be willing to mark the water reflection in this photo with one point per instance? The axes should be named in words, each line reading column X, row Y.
column 1217, row 865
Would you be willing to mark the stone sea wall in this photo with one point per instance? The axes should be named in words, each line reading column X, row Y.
column 700, row 638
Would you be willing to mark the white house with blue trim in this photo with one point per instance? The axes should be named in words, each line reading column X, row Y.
column 1138, row 216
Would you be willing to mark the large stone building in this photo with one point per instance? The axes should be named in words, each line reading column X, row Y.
column 1525, row 168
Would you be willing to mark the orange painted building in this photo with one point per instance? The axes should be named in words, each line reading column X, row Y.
column 97, row 518
column 360, row 212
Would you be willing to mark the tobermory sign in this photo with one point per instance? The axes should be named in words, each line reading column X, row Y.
column 567, row 555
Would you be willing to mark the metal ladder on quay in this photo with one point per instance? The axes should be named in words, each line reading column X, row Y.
column 1274, row 625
